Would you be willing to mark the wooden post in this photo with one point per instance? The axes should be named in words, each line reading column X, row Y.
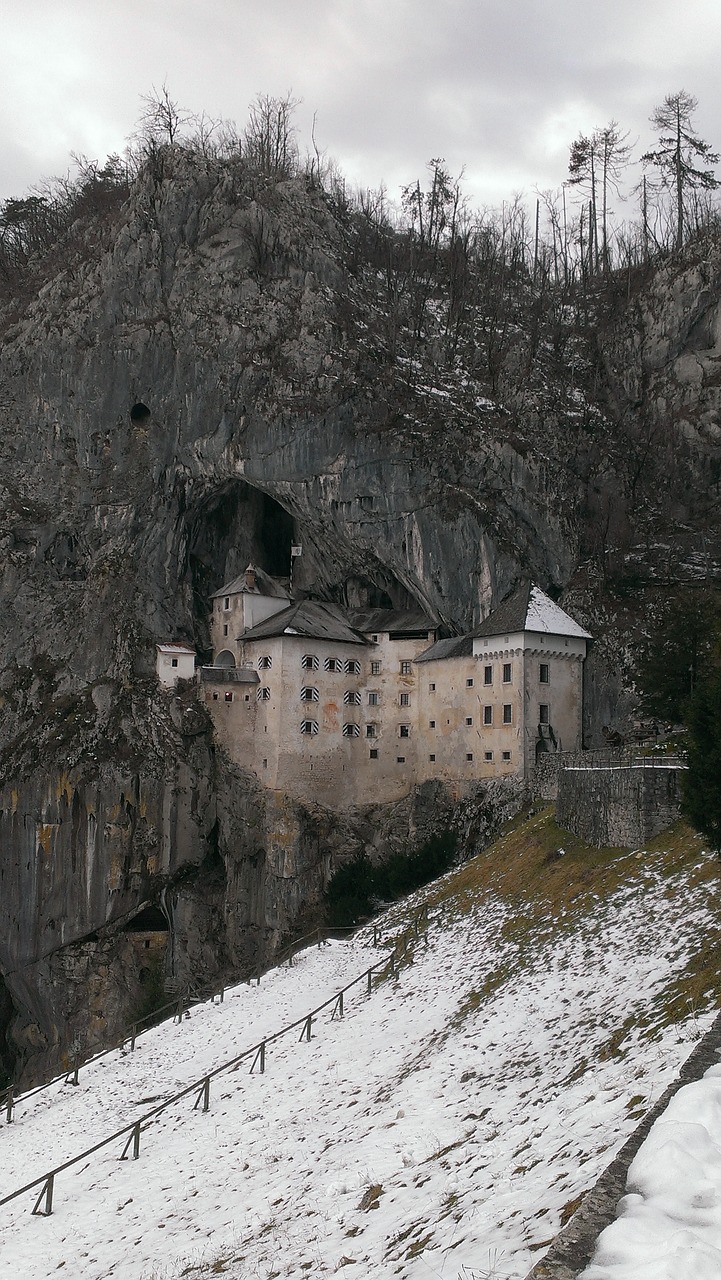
column 204, row 1095
column 259, row 1059
column 47, row 1193
column 9, row 1105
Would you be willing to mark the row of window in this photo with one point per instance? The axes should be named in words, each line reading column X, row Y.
column 351, row 666
column 487, row 755
column 352, row 697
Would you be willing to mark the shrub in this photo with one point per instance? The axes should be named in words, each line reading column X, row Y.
column 355, row 887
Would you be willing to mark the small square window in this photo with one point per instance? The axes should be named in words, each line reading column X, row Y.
column 543, row 713
column 173, row 662
column 265, row 662
column 371, row 731
column 352, row 666
column 488, row 715
column 247, row 697
column 469, row 684
column 309, row 726
column 488, row 675
column 374, row 639
column 431, row 758
column 543, row 673
column 229, row 696
column 507, row 713
column 507, row 673
column 351, row 731
column 375, row 668
column 373, row 753
column 431, row 724
column 352, row 697
column 374, row 699
column 405, row 700
column 215, row 697
column 488, row 755
column 469, row 755
column 404, row 731
column 469, row 720
column 432, row 687
column 263, row 694
column 405, row 667
column 309, row 694
column 400, row 759
column 309, row 662
column 506, row 755
column 333, row 664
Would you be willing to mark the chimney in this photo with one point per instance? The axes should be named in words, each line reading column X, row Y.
column 250, row 578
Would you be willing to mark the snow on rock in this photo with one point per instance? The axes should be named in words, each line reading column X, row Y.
column 669, row 1226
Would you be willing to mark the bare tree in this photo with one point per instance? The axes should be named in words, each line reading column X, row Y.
column 162, row 120
column 269, row 137
column 613, row 155
column 678, row 154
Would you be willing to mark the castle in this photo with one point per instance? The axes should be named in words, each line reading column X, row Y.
column 355, row 706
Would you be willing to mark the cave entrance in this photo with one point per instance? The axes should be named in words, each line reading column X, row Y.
column 228, row 529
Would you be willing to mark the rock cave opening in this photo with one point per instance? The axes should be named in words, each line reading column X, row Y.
column 139, row 412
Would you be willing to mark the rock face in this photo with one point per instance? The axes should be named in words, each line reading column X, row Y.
column 196, row 385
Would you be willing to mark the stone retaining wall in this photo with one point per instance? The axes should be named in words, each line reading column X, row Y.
column 618, row 805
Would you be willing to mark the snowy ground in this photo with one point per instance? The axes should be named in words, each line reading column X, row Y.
column 444, row 1127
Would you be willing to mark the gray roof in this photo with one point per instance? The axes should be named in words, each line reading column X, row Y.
column 530, row 609
column 526, row 609
column 455, row 647
column 264, row 586
column 311, row 619
column 395, row 621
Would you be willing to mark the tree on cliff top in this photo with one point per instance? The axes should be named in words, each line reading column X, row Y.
column 678, row 154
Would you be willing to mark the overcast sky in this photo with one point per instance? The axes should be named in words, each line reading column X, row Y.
column 500, row 87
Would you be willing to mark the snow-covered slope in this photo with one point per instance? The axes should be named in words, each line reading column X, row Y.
column 446, row 1126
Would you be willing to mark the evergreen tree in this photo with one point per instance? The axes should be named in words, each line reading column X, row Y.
column 679, row 153
column 702, row 782
column 678, row 653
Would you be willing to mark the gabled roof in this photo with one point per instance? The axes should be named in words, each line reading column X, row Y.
column 308, row 618
column 264, row 586
column 529, row 609
column 455, row 647
column 394, row 621
column 174, row 648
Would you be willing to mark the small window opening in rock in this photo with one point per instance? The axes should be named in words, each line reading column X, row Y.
column 139, row 412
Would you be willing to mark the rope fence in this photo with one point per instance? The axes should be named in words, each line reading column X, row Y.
column 382, row 969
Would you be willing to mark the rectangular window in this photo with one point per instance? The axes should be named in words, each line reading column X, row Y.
column 229, row 696
column 469, row 684
column 506, row 755
column 352, row 666
column 469, row 720
column 352, row 697
column 215, row 697
column 374, row 699
column 405, row 667
column 488, row 715
column 225, row 628
column 431, row 724
column 263, row 694
column 400, row 759
column 333, row 664
column 405, row 700
column 265, row 764
column 431, row 758
column 488, row 675
column 265, row 663
column 404, row 731
column 373, row 753
column 173, row 662
column 309, row 662
column 543, row 713
column 351, row 731
column 309, row 694
column 309, row 726
column 507, row 713
column 432, row 687
column 488, row 755
column 469, row 755
column 375, row 668
column 226, row 602
column 507, row 673
column 371, row 731
column 543, row 673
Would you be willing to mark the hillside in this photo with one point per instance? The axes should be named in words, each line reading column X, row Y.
column 449, row 1123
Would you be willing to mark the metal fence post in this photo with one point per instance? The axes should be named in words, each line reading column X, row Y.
column 204, row 1095
column 259, row 1059
column 370, row 981
column 9, row 1105
column 307, row 1029
column 135, row 1139
column 338, row 1007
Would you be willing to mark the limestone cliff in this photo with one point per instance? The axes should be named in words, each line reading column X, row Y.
column 201, row 379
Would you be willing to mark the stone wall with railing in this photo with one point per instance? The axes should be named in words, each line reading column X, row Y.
column 618, row 798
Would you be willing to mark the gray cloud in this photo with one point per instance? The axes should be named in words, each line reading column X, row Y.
column 499, row 87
